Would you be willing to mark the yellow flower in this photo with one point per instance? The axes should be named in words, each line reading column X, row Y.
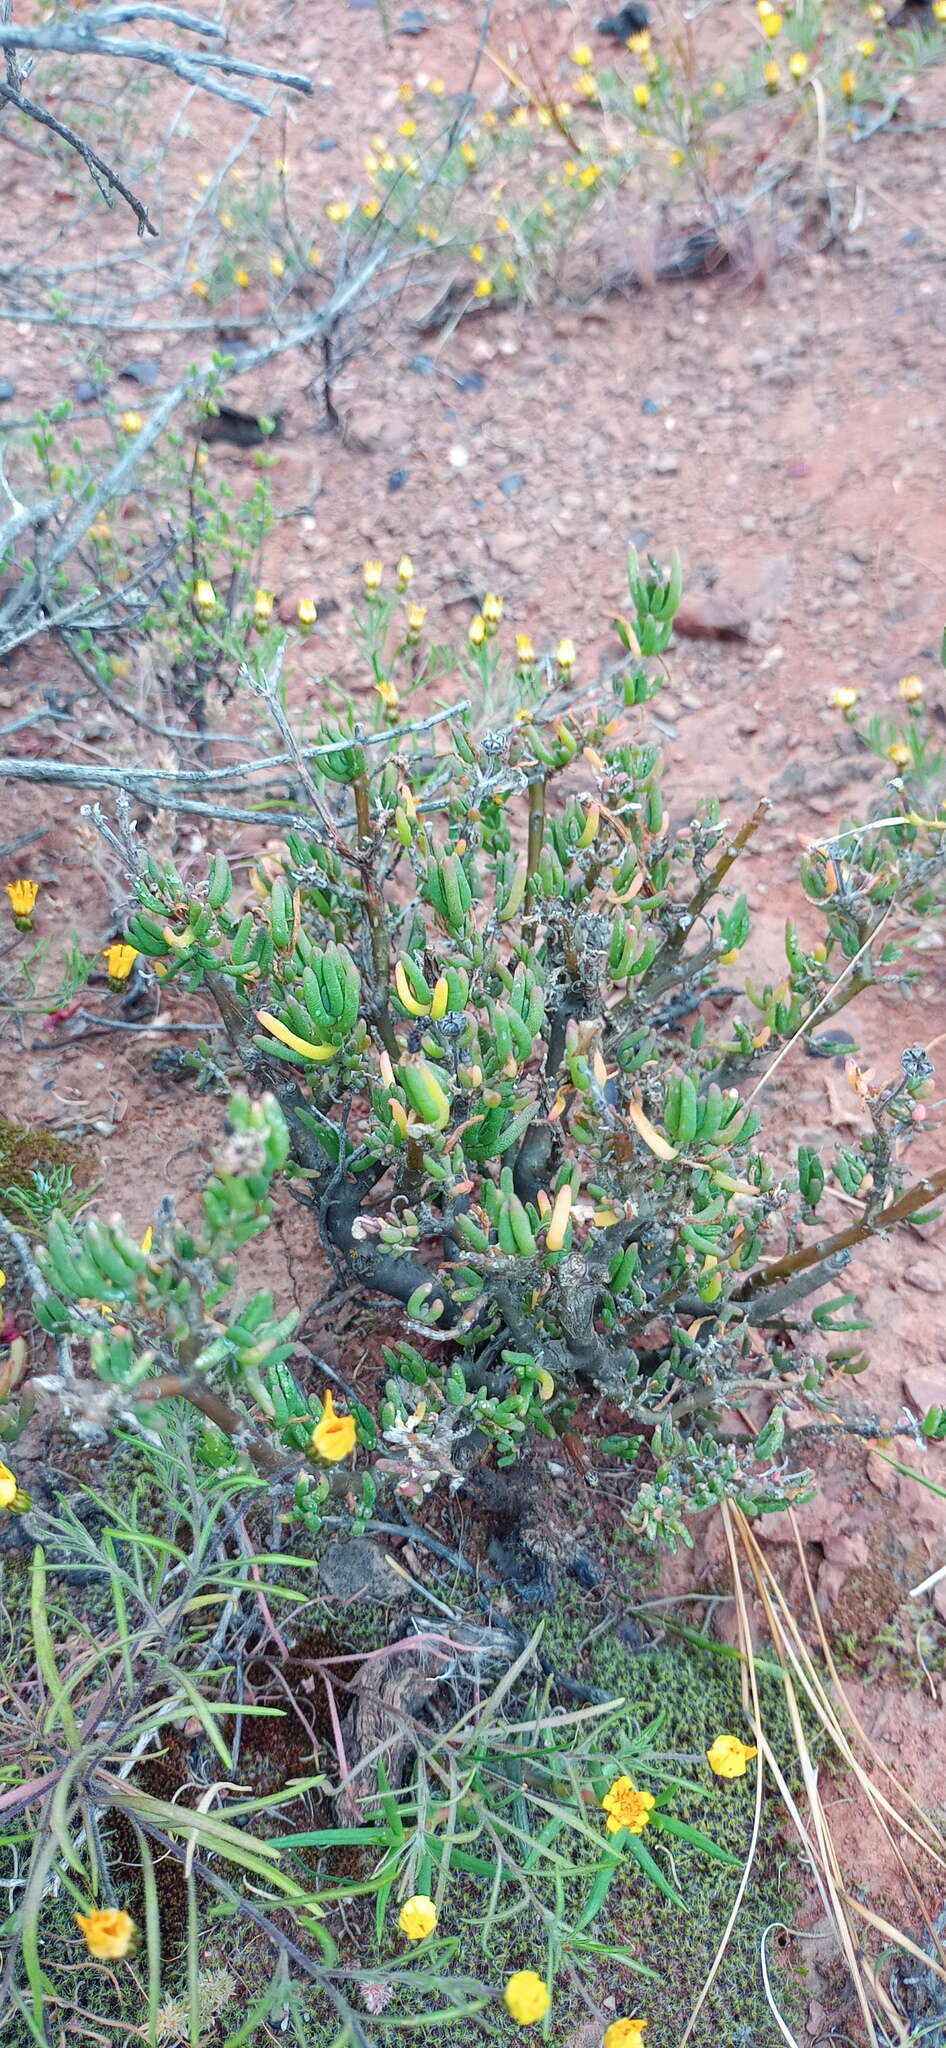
column 911, row 689
column 524, row 648
column 372, row 572
column 417, row 1917
column 626, row 1807
column 263, row 601
column 22, row 900
column 565, row 654
column 899, row 755
column 405, row 92
column 8, row 1486
column 334, row 1437
column 477, row 633
column 639, row 43
column 476, row 252
column 483, row 288
column 589, row 176
column 502, row 224
column 109, row 1933
column 407, row 128
column 729, row 1757
column 281, row 166
column 388, row 693
column 798, row 64
column 844, row 700
column 315, row 257
column 306, row 613
column 939, row 9
column 624, row 2034
column 582, row 54
column 404, row 572
column 132, row 422
column 277, row 266
column 772, row 25
column 226, row 220
column 526, row 1998
column 588, row 85
column 679, row 156
column 200, row 289
column 492, row 610
column 371, row 208
column 416, row 614
column 650, row 64
column 771, row 74
column 337, row 211
column 468, row 154
column 205, row 597
column 642, row 95
column 866, row 46
column 438, row 87
column 241, row 277
column 849, row 84
column 119, row 960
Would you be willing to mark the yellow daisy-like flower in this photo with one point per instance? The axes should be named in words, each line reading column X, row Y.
column 205, row 597
column 417, row 1917
column 899, row 754
column 315, row 257
column 771, row 75
column 404, row 572
column 492, row 610
column 8, row 1485
column 849, row 84
column 639, row 43
column 626, row 1807
column 405, row 92
column 200, row 289
column 910, row 689
column 132, row 422
column 468, row 154
column 22, row 901
column 772, row 25
column 371, row 208
column 277, row 266
column 416, row 614
column 565, row 654
column 798, row 63
column 477, row 633
column 109, row 1933
column 526, row 1998
column 307, row 612
column 388, row 693
column 939, row 10
column 844, row 700
column 263, row 601
column 334, row 1437
column 729, row 1756
column 624, row 2034
column 226, row 221
column 583, row 54
column 438, row 87
column 241, row 277
column 525, row 651
column 483, row 288
column 372, row 572
column 589, row 176
column 477, row 252
column 641, row 95
column 866, row 46
column 337, row 211
column 119, row 961
column 588, row 85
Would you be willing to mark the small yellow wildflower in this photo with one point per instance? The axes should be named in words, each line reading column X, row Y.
column 417, row 1917
column 526, row 1998
column 416, row 614
column 509, row 270
column 277, row 266
column 524, row 649
column 477, row 252
column 281, row 166
column 410, row 165
column 626, row 1807
column 22, row 900
column 315, row 257
column 404, row 572
column 570, row 169
column 844, row 700
column 477, row 632
column 588, row 85
column 468, row 154
column 729, row 1756
column 306, row 613
column 772, row 25
column 405, row 92
column 650, row 63
column 334, row 1437
column 438, row 87
column 520, row 117
column 639, row 43
column 109, row 1933
column 205, row 598
column 798, row 63
column 492, row 610
column 641, row 95
column 8, row 1487
column 899, row 754
column 371, row 208
column 119, row 960
column 624, row 2034
column 849, row 84
column 200, row 289
column 771, row 75
column 388, row 693
column 483, row 288
column 589, row 175
column 583, row 54
column 565, row 654
column 263, row 601
column 226, row 221
column 911, row 689
column 372, row 572
column 241, row 277
column 718, row 89
column 101, row 531
column 678, row 157
column 338, row 211
column 866, row 46
column 132, row 422
column 407, row 128
column 939, row 10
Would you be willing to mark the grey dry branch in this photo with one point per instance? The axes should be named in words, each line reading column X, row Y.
column 86, row 37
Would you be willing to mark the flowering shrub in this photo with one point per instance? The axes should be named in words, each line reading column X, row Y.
column 469, row 995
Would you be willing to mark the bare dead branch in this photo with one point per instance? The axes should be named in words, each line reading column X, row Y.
column 84, row 38
column 104, row 177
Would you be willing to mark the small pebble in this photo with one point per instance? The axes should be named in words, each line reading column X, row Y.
column 423, row 366
column 511, row 485
column 142, row 370
column 412, row 22
column 470, row 380
column 7, row 390
column 397, row 479
column 650, row 408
